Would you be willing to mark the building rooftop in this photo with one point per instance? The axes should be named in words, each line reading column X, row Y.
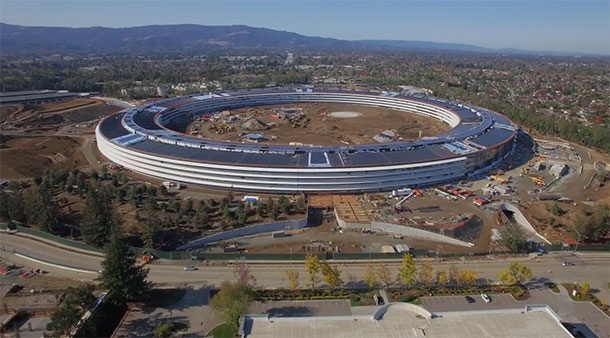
column 406, row 320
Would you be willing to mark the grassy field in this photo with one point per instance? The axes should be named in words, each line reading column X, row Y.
column 223, row 331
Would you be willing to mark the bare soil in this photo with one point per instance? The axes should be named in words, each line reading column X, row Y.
column 323, row 130
column 23, row 157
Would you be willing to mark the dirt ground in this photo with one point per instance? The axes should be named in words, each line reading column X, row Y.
column 327, row 130
column 354, row 241
column 23, row 157
column 48, row 136
column 20, row 115
column 38, row 281
column 29, row 154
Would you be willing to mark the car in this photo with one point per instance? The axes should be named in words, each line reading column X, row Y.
column 190, row 268
column 486, row 298
column 469, row 299
column 566, row 263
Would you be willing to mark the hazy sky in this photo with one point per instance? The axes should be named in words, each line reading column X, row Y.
column 557, row 25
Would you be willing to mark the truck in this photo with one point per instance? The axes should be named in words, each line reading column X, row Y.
column 402, row 192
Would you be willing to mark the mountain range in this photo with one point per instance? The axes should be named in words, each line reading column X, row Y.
column 187, row 38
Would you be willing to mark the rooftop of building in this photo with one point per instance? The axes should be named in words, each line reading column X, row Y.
column 407, row 320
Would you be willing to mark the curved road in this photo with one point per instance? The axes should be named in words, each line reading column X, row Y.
column 589, row 266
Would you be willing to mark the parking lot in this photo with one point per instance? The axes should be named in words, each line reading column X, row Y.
column 459, row 303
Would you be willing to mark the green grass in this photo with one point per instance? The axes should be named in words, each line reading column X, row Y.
column 223, row 331
column 553, row 287
column 579, row 296
column 415, row 301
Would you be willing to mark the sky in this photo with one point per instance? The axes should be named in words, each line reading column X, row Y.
column 580, row 26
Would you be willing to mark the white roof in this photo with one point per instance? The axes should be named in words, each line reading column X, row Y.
column 400, row 321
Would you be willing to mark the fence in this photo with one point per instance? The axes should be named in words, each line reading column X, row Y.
column 416, row 233
column 57, row 239
column 195, row 255
column 247, row 231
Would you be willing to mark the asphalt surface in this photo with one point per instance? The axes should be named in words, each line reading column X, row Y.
column 591, row 267
column 459, row 303
column 569, row 311
column 588, row 266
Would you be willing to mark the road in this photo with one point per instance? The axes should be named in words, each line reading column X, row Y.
column 591, row 267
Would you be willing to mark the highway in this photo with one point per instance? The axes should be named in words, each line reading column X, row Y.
column 593, row 267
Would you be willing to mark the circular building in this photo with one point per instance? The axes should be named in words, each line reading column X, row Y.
column 140, row 139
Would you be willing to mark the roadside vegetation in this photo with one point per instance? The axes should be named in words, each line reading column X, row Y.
column 121, row 281
column 407, row 284
column 581, row 292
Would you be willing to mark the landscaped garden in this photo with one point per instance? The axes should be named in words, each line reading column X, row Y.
column 411, row 294
column 583, row 294
column 223, row 331
column 552, row 286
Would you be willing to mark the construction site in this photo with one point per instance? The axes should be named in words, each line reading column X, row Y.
column 538, row 175
column 311, row 124
column 471, row 211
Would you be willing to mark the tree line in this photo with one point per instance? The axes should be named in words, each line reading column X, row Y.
column 43, row 202
column 233, row 298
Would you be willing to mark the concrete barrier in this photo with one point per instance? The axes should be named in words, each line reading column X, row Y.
column 378, row 315
column 411, row 232
column 246, row 231
column 523, row 221
column 40, row 261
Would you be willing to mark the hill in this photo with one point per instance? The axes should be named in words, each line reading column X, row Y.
column 188, row 38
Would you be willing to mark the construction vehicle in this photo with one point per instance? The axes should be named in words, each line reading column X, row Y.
column 497, row 172
column 498, row 179
column 539, row 182
column 144, row 259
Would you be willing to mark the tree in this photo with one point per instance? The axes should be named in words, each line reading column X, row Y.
column 385, row 275
column 556, row 210
column 442, row 278
column 312, row 267
column 585, row 287
column 163, row 330
column 453, row 273
column 370, row 278
column 284, row 204
column 513, row 237
column 75, row 303
column 231, row 302
column 15, row 207
column 331, row 275
column 293, row 279
column 407, row 270
column 244, row 275
column 466, row 277
column 99, row 218
column 594, row 225
column 40, row 208
column 120, row 275
column 515, row 273
column 152, row 224
column 425, row 273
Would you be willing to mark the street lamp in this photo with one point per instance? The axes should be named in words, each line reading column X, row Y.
column 438, row 248
column 578, row 241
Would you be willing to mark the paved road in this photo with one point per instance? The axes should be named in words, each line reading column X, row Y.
column 592, row 267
